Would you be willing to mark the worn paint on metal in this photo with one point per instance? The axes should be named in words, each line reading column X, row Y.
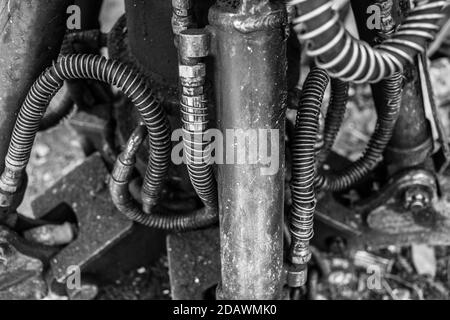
column 250, row 89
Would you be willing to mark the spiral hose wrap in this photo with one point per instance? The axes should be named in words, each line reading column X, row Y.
column 66, row 107
column 193, row 48
column 303, row 162
column 194, row 111
column 82, row 66
column 304, row 178
column 352, row 60
column 392, row 89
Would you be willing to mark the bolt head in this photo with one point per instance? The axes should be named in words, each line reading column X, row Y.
column 417, row 198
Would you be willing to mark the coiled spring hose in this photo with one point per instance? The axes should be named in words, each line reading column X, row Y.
column 304, row 177
column 82, row 66
column 66, row 107
column 303, row 164
column 193, row 47
column 349, row 59
column 124, row 201
column 392, row 88
column 194, row 118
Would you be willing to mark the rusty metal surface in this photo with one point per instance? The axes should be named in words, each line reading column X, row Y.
column 25, row 52
column 250, row 88
column 194, row 263
column 411, row 140
column 31, row 33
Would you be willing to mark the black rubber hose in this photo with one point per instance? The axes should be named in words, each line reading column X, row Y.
column 304, row 178
column 58, row 111
column 392, row 89
column 304, row 164
column 125, row 203
column 82, row 66
column 63, row 108
column 194, row 116
column 335, row 116
column 200, row 171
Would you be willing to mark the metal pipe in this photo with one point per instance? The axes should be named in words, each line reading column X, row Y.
column 249, row 57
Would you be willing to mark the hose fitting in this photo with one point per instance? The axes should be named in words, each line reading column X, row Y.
column 82, row 66
column 193, row 46
column 127, row 205
column 303, row 174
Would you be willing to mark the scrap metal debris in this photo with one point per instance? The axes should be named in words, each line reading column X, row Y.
column 51, row 234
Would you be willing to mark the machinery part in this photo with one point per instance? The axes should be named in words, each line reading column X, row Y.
column 123, row 200
column 104, row 237
column 385, row 221
column 182, row 18
column 351, row 60
column 406, row 203
column 417, row 198
column 156, row 56
column 127, row 118
column 303, row 174
column 441, row 158
column 249, row 59
column 335, row 116
column 410, row 143
column 91, row 12
column 100, row 226
column 99, row 68
column 392, row 89
column 303, row 163
column 193, row 44
column 22, row 61
column 20, row 275
column 198, row 271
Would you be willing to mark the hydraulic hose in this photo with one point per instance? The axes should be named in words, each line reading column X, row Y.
column 335, row 116
column 304, row 172
column 82, row 66
column 65, row 107
column 304, row 178
column 392, row 89
column 58, row 111
column 126, row 204
column 193, row 46
column 352, row 60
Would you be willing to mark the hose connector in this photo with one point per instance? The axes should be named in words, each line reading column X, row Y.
column 193, row 46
